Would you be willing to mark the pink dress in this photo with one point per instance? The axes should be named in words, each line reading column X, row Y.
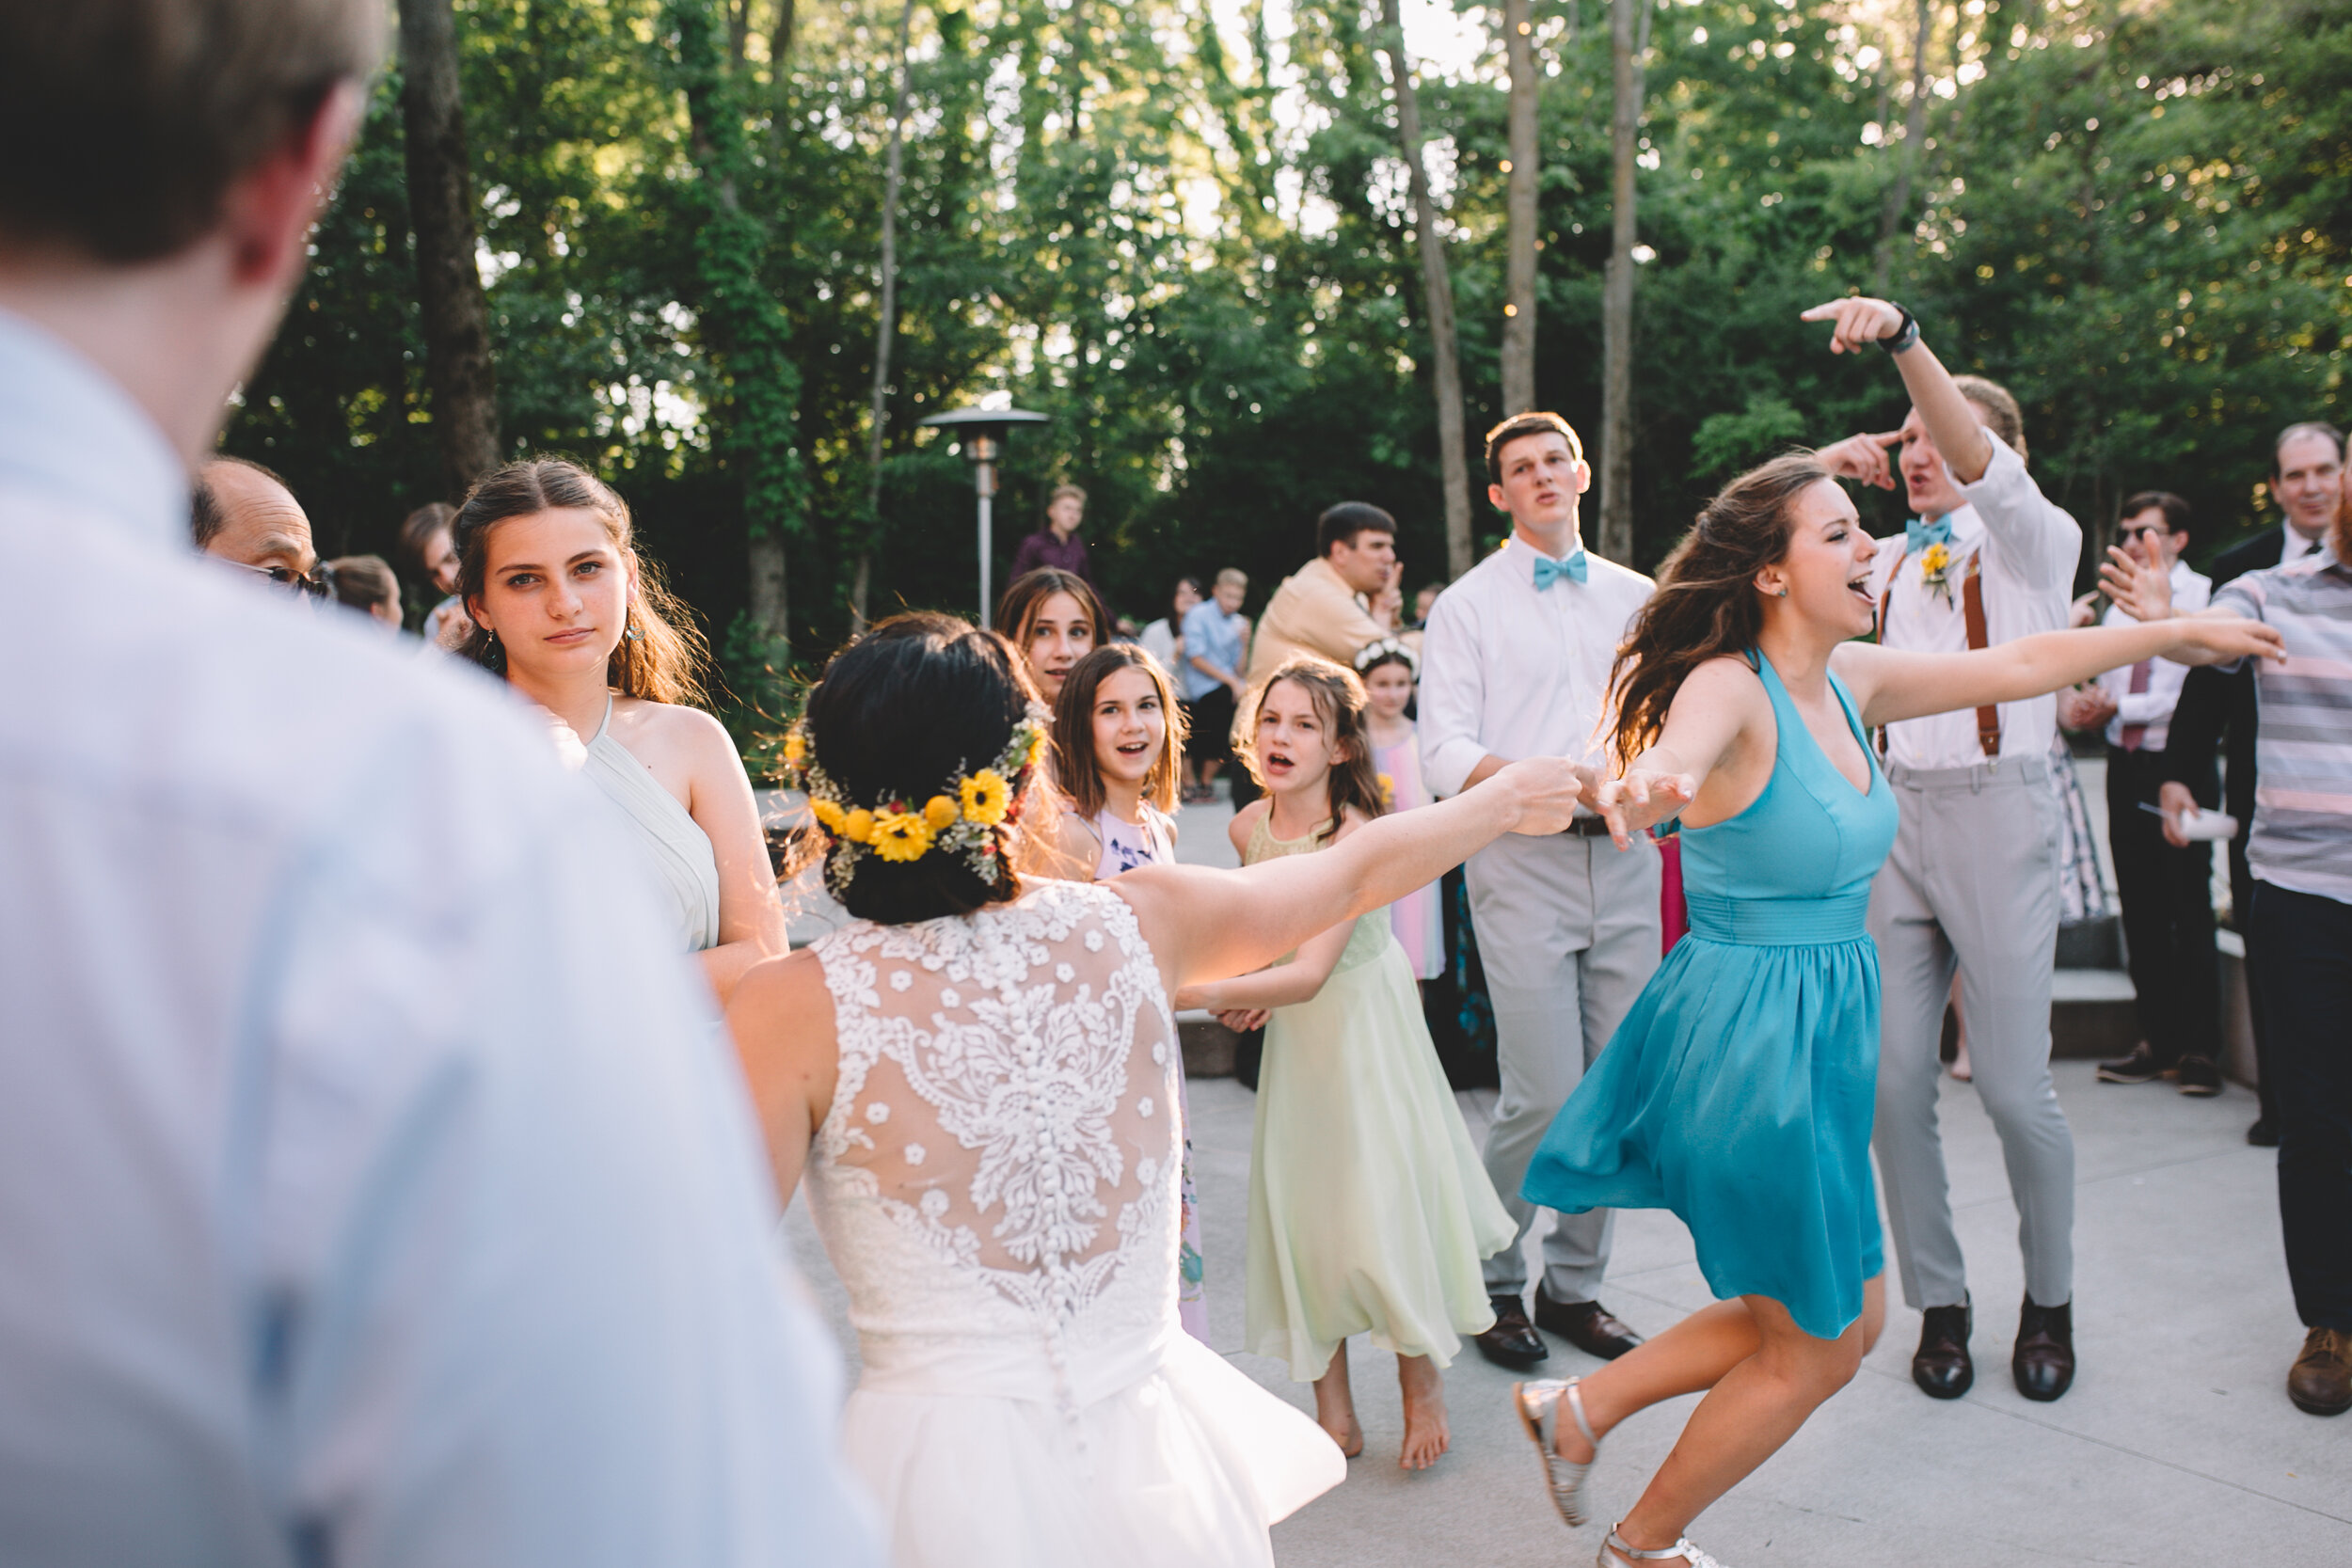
column 1414, row 918
column 1126, row 845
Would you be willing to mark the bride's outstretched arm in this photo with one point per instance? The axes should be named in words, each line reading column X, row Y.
column 1205, row 924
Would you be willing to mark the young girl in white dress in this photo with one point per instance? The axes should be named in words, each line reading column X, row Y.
column 978, row 1075
column 1387, row 669
column 1368, row 1208
column 1119, row 747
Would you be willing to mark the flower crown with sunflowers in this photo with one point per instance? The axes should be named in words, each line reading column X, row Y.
column 961, row 819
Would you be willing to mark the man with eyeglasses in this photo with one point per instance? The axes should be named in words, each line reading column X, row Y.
column 2165, row 889
column 244, row 514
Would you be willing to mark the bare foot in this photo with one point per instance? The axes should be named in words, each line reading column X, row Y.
column 1427, row 1435
column 1335, row 1406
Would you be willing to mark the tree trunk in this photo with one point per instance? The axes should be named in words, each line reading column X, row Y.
column 457, row 370
column 1437, row 288
column 1907, row 159
column 884, row 332
column 1518, row 288
column 780, row 41
column 1616, row 310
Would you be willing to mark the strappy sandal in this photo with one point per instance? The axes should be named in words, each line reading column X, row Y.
column 1614, row 1553
column 1563, row 1479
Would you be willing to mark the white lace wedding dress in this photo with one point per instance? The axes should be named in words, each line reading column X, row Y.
column 997, row 1183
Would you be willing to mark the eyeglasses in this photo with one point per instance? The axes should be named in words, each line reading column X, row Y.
column 309, row 585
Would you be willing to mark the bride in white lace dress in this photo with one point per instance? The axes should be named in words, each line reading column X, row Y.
column 980, row 1081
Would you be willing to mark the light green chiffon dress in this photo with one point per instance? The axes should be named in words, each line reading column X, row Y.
column 1368, row 1208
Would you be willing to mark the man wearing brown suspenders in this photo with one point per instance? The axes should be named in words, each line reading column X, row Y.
column 1973, row 880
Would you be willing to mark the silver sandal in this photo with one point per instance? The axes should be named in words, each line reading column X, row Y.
column 1563, row 1477
column 1614, row 1553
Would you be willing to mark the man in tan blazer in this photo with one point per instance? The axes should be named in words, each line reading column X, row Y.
column 1317, row 610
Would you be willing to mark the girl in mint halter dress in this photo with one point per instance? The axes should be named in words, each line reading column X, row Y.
column 1739, row 1092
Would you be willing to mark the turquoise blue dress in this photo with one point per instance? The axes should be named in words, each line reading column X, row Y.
column 1739, row 1090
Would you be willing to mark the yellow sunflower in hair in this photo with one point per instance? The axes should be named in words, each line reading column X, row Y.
column 901, row 835
column 829, row 817
column 986, row 796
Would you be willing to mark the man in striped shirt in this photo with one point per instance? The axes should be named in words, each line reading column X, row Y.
column 2300, row 851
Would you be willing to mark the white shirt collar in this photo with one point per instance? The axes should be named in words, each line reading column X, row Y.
column 2294, row 547
column 1523, row 556
column 68, row 428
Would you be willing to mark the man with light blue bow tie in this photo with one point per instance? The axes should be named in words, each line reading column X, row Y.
column 1515, row 664
column 1972, row 883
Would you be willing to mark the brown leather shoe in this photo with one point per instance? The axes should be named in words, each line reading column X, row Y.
column 1586, row 1324
column 2043, row 1360
column 1512, row 1341
column 1941, row 1366
column 2320, row 1382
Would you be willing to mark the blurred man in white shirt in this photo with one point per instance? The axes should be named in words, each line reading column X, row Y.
column 2166, row 890
column 376, row 1188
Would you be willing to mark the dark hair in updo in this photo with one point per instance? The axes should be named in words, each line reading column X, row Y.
column 901, row 713
column 1706, row 603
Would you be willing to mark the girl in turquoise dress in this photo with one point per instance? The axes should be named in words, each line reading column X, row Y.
column 1739, row 1090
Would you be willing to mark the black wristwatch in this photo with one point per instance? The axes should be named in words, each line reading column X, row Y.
column 1904, row 336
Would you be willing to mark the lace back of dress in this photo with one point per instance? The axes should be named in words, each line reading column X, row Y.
column 1007, row 1099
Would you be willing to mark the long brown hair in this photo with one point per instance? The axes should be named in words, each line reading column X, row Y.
column 661, row 655
column 1339, row 700
column 1018, row 610
column 1077, row 771
column 1706, row 603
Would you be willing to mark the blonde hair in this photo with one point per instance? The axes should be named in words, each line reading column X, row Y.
column 2001, row 413
column 1233, row 576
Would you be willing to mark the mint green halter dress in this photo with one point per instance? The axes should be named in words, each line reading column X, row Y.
column 1739, row 1090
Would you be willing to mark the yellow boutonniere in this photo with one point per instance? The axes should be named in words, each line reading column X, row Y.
column 1935, row 565
column 1387, row 789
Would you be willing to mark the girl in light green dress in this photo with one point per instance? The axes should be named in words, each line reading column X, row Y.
column 1368, row 1208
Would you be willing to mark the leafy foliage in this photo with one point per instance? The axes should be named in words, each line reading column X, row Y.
column 1189, row 244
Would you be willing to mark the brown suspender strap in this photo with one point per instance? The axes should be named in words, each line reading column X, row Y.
column 1972, row 610
column 1878, row 636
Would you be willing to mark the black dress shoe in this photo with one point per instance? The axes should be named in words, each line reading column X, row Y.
column 1941, row 1367
column 1585, row 1325
column 2140, row 1066
column 1513, row 1342
column 2043, row 1361
column 2264, row 1133
column 2199, row 1076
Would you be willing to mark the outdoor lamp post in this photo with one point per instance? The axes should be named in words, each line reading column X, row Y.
column 981, row 434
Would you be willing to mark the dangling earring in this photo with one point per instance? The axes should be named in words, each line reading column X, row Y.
column 630, row 633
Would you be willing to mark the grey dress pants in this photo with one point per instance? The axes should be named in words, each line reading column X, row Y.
column 1568, row 931
column 1972, row 882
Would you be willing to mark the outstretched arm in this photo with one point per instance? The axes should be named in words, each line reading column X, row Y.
column 1700, row 748
column 1861, row 323
column 1891, row 684
column 1205, row 924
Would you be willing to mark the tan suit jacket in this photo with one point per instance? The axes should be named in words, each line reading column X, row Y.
column 1314, row 612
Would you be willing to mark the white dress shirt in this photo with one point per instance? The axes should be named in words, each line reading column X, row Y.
column 2153, row 708
column 2294, row 545
column 2030, row 548
column 1509, row 671
column 375, row 1187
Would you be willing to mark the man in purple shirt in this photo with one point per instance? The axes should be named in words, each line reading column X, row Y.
column 1057, row 543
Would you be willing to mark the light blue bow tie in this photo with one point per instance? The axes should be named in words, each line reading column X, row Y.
column 1917, row 536
column 1549, row 571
